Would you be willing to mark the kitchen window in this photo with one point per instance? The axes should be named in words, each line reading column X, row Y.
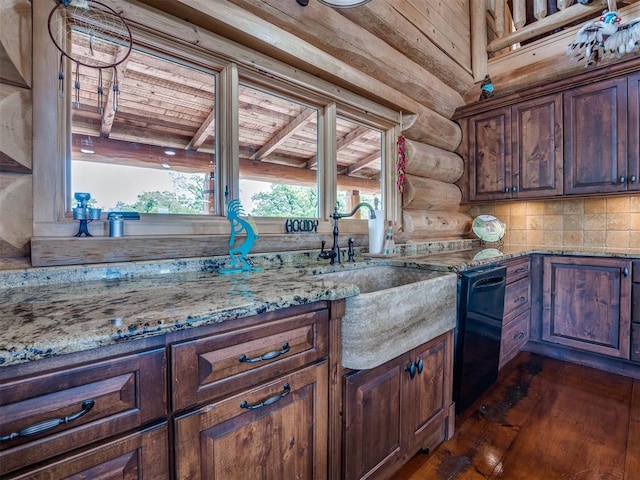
column 219, row 124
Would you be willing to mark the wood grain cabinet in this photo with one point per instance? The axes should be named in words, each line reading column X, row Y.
column 394, row 410
column 596, row 137
column 517, row 309
column 247, row 398
column 256, row 401
column 516, row 151
column 65, row 410
column 586, row 304
column 635, row 313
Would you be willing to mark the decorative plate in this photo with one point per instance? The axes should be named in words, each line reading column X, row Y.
column 488, row 228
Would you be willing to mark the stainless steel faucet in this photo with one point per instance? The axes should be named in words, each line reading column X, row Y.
column 334, row 254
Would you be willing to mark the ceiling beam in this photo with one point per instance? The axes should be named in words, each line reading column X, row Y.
column 283, row 134
column 360, row 164
column 111, row 106
column 203, row 132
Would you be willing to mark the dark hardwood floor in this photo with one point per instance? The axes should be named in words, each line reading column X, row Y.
column 543, row 420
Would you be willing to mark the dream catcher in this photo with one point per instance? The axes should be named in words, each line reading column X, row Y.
column 92, row 35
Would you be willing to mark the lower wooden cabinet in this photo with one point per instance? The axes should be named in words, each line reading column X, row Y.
column 517, row 309
column 59, row 411
column 139, row 456
column 394, row 410
column 275, row 431
column 635, row 313
column 249, row 400
column 587, row 304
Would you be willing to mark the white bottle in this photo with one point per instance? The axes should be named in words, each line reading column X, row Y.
column 389, row 244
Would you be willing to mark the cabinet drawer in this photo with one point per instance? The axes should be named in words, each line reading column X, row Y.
column 516, row 297
column 517, row 269
column 514, row 336
column 139, row 456
column 57, row 412
column 215, row 366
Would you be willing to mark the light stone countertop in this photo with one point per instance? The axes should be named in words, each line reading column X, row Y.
column 45, row 312
column 44, row 321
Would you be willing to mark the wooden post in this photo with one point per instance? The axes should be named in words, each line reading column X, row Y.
column 498, row 13
column 519, row 13
column 353, row 198
column 540, row 9
column 478, row 13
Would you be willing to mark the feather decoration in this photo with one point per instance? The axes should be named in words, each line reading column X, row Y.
column 605, row 39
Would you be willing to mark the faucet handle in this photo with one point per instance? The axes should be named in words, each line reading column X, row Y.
column 351, row 253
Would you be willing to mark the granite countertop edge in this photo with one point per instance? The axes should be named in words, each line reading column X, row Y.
column 47, row 313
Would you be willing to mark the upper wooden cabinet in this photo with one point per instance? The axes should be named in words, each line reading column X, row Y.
column 595, row 124
column 575, row 136
column 516, row 151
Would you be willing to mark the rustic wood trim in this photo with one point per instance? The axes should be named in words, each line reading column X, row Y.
column 478, row 13
column 622, row 67
column 544, row 25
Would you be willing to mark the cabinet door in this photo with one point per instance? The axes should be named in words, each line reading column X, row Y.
column 430, row 392
column 634, row 131
column 587, row 304
column 275, row 431
column 373, row 417
column 490, row 155
column 537, row 147
column 595, row 138
column 139, row 456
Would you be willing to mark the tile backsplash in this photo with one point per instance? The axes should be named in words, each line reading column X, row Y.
column 612, row 222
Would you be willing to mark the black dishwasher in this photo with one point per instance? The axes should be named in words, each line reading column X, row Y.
column 478, row 333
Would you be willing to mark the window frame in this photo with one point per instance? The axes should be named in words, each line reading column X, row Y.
column 53, row 224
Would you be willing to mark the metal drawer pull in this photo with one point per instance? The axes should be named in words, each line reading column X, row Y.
column 411, row 369
column 49, row 424
column 269, row 401
column 519, row 336
column 267, row 356
column 420, row 365
column 520, row 300
column 520, row 270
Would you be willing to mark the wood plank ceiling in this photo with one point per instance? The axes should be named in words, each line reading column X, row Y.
column 164, row 106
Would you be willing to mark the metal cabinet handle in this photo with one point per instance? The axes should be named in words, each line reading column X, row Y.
column 49, row 424
column 411, row 369
column 420, row 365
column 506, row 189
column 268, row 401
column 520, row 270
column 519, row 336
column 520, row 300
column 267, row 356
column 633, row 179
column 514, row 189
column 625, row 272
column 623, row 179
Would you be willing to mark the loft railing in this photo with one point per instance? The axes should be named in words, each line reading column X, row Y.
column 497, row 28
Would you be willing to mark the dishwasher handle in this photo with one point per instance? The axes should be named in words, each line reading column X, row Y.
column 488, row 283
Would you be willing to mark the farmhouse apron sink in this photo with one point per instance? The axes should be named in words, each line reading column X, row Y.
column 398, row 309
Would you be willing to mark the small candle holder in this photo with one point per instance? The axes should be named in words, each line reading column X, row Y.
column 84, row 214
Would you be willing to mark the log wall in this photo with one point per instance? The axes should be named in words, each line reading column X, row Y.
column 16, row 197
